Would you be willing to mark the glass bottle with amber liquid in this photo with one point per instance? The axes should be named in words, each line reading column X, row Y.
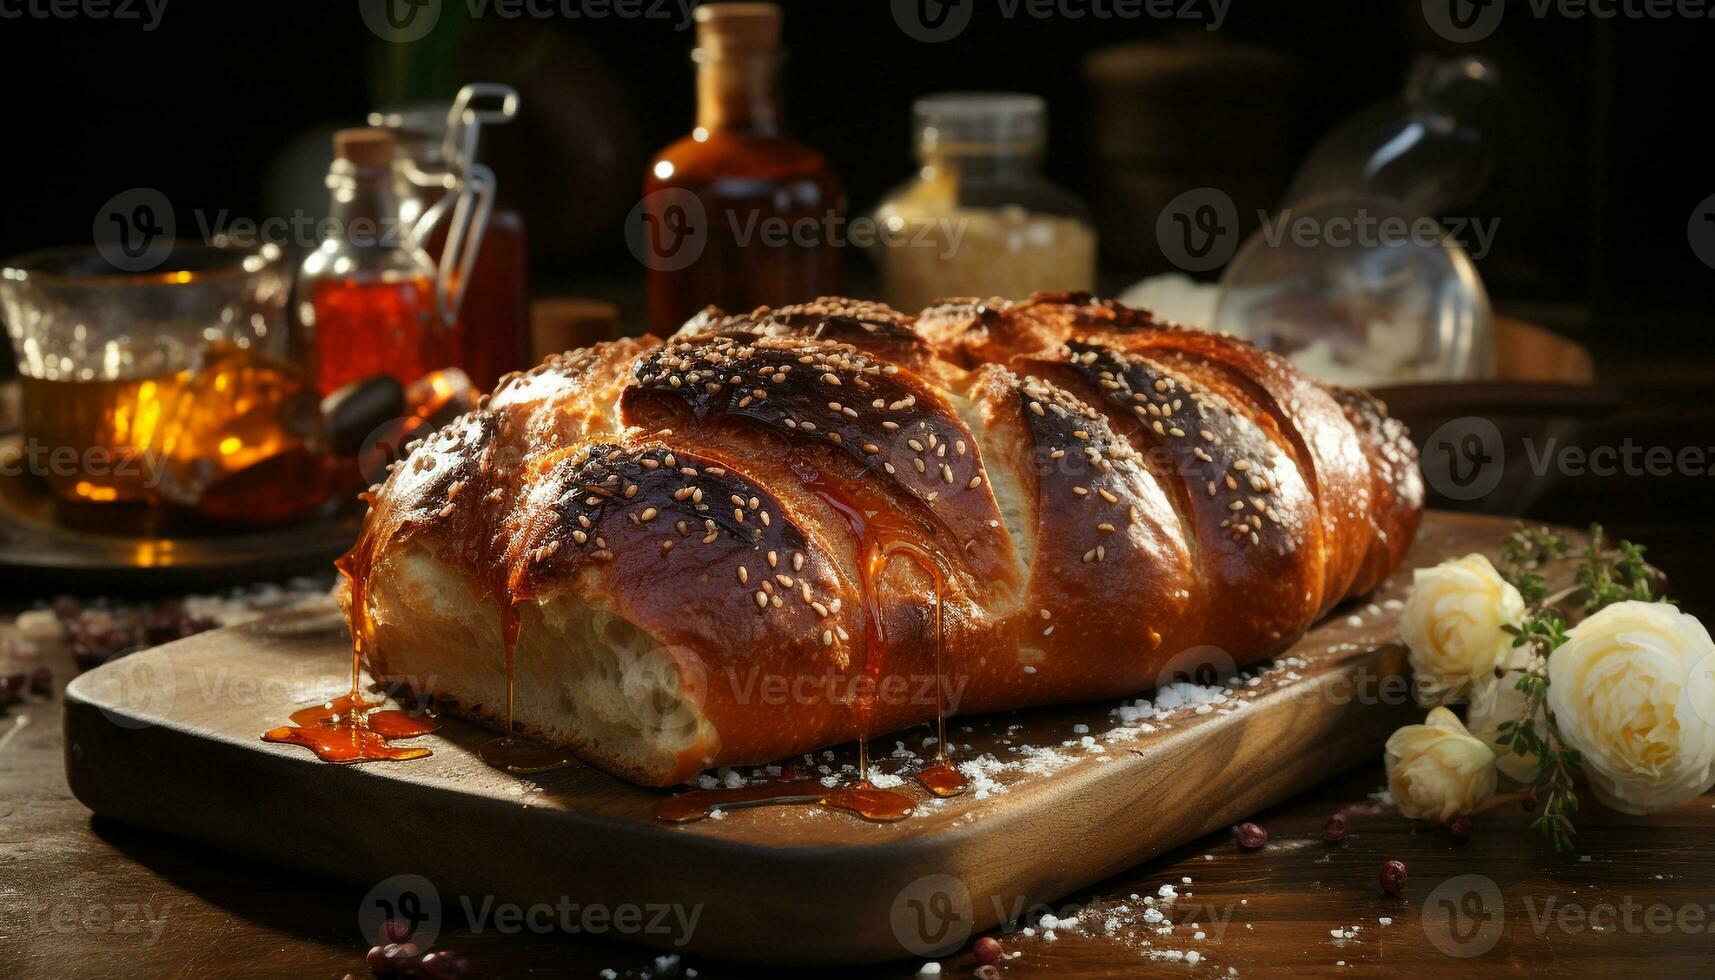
column 738, row 214
column 366, row 295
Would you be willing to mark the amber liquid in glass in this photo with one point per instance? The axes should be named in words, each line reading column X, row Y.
column 365, row 327
column 91, row 440
column 494, row 318
column 228, row 436
column 754, row 183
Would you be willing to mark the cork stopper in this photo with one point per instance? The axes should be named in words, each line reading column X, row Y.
column 368, row 147
column 750, row 27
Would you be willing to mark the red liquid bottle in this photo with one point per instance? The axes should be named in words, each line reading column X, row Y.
column 366, row 295
column 738, row 214
column 437, row 151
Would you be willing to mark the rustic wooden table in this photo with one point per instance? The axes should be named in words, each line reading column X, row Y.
column 85, row 897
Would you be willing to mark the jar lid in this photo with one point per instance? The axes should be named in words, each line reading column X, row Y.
column 980, row 121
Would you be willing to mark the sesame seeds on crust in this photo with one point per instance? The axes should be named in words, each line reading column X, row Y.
column 1221, row 453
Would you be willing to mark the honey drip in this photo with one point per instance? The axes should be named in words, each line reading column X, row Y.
column 351, row 727
column 878, row 543
column 510, row 752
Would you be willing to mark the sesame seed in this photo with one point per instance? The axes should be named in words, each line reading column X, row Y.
column 762, row 600
column 743, row 575
column 976, row 481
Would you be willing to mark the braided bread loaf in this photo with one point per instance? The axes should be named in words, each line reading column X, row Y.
column 679, row 535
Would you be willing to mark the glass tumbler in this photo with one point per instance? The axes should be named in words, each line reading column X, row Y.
column 176, row 386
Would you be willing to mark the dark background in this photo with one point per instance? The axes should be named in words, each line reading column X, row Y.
column 1600, row 149
column 1599, row 152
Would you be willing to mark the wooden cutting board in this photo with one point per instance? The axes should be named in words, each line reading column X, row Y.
column 169, row 739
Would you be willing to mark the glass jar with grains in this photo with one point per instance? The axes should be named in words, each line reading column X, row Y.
column 980, row 220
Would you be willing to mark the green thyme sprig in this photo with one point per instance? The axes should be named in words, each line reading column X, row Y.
column 1605, row 576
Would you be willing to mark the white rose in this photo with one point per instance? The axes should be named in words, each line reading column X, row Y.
column 1496, row 700
column 1437, row 770
column 1633, row 690
column 1452, row 623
